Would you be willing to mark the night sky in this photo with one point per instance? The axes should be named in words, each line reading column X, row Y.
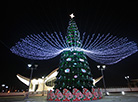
column 22, row 18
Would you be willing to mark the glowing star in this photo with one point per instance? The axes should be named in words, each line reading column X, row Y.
column 72, row 15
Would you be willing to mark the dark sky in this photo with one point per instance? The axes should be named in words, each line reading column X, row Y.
column 22, row 18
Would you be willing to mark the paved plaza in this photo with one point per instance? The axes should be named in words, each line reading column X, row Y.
column 114, row 97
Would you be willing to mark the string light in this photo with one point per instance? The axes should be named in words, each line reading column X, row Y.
column 105, row 49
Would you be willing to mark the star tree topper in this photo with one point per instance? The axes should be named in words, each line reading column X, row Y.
column 72, row 15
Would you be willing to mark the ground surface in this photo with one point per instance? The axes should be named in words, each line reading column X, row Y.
column 114, row 97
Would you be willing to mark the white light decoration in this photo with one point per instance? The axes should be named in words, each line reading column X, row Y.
column 98, row 66
column 72, row 15
column 82, row 60
column 75, row 76
column 68, row 59
column 74, row 53
column 67, row 70
column 104, row 66
column 83, row 70
column 104, row 49
column 3, row 85
column 108, row 93
column 23, row 80
column 123, row 93
column 29, row 65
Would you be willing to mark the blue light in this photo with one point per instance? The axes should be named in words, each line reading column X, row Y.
column 68, row 59
column 67, row 70
column 83, row 70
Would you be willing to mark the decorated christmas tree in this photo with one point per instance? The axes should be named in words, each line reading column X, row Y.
column 74, row 71
column 74, row 80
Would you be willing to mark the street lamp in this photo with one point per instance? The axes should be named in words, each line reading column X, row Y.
column 127, row 78
column 103, row 68
column 43, row 85
column 6, row 88
column 31, row 67
column 3, row 85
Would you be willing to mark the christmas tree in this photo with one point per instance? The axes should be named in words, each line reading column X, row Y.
column 74, row 71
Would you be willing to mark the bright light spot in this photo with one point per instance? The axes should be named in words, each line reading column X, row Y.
column 104, row 66
column 74, row 53
column 82, row 60
column 72, row 15
column 126, row 77
column 23, row 80
column 107, row 93
column 40, row 80
column 75, row 63
column 67, row 70
column 34, row 81
column 83, row 70
column 75, row 76
column 29, row 65
column 98, row 66
column 123, row 93
column 68, row 59
column 3, row 85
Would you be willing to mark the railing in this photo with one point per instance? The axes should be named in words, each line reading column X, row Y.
column 126, row 89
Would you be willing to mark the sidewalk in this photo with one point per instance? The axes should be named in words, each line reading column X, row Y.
column 114, row 97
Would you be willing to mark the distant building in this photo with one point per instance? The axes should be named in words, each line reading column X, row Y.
column 46, row 83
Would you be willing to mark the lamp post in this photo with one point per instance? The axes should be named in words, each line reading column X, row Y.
column 127, row 78
column 103, row 68
column 43, row 85
column 31, row 67
column 3, row 85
